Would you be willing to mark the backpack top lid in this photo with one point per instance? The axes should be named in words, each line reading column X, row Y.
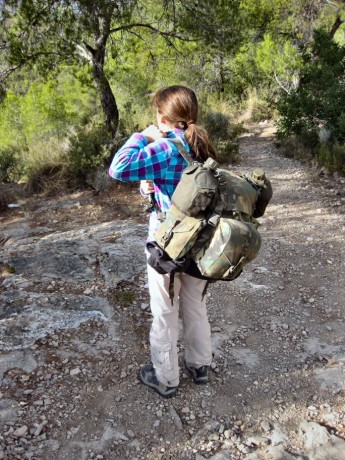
column 199, row 187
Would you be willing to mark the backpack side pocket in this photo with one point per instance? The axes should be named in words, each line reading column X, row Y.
column 233, row 244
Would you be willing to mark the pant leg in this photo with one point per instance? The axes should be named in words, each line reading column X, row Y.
column 196, row 327
column 165, row 327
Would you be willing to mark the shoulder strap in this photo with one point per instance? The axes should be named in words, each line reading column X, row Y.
column 181, row 148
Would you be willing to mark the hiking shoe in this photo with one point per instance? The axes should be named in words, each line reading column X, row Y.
column 200, row 375
column 148, row 377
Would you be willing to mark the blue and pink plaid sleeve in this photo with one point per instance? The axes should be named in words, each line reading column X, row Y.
column 158, row 161
column 139, row 160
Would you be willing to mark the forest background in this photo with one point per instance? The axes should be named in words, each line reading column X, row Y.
column 76, row 78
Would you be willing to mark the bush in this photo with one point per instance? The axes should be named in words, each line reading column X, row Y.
column 332, row 157
column 47, row 179
column 10, row 164
column 134, row 118
column 228, row 152
column 319, row 99
column 223, row 136
column 315, row 111
column 43, row 166
column 296, row 147
column 217, row 125
column 89, row 147
column 56, row 166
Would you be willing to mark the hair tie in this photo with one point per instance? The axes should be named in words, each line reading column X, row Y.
column 190, row 122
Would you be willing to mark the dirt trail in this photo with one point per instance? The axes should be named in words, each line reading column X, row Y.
column 277, row 384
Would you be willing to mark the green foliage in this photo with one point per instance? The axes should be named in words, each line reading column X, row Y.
column 280, row 61
column 297, row 147
column 89, row 147
column 35, row 121
column 10, row 167
column 134, row 118
column 42, row 109
column 319, row 100
column 217, row 125
column 332, row 157
column 223, row 138
column 315, row 111
column 239, row 56
column 256, row 107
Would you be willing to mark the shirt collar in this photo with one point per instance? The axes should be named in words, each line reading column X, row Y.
column 175, row 133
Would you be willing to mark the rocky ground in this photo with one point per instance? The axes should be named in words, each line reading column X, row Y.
column 74, row 323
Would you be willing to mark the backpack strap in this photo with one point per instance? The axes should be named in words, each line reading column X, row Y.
column 181, row 149
column 154, row 206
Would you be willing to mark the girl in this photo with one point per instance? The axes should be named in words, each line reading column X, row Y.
column 150, row 157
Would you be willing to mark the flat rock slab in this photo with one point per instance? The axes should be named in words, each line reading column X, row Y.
column 8, row 411
column 22, row 359
column 109, row 253
column 73, row 256
column 28, row 316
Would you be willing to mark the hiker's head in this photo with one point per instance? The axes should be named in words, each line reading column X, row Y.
column 177, row 107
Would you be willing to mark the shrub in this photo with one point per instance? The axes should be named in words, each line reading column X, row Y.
column 47, row 178
column 10, row 164
column 89, row 147
column 134, row 118
column 228, row 152
column 217, row 125
column 257, row 108
column 332, row 157
column 56, row 166
column 296, row 147
column 319, row 99
column 223, row 136
column 43, row 166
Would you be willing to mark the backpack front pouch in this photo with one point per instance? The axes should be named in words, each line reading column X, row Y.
column 178, row 233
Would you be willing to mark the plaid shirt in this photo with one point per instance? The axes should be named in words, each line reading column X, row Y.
column 158, row 161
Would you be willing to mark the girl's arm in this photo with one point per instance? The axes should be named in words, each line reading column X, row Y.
column 140, row 160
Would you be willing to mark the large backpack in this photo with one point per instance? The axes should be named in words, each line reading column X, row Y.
column 210, row 231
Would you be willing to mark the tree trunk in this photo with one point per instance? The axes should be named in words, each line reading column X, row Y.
column 107, row 97
column 337, row 23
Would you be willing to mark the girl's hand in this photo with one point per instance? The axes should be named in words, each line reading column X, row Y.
column 152, row 133
column 146, row 186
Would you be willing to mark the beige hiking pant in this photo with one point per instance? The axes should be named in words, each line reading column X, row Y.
column 165, row 326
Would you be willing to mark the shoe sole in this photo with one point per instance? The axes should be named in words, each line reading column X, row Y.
column 154, row 387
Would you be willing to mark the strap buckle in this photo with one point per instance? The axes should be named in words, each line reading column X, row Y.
column 213, row 220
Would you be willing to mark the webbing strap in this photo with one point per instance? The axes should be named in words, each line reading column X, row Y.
column 182, row 149
column 171, row 287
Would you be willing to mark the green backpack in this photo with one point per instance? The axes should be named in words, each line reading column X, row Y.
column 210, row 230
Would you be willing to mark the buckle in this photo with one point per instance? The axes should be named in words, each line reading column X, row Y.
column 166, row 237
column 213, row 220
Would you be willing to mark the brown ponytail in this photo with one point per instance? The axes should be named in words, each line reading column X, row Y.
column 179, row 106
column 199, row 142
